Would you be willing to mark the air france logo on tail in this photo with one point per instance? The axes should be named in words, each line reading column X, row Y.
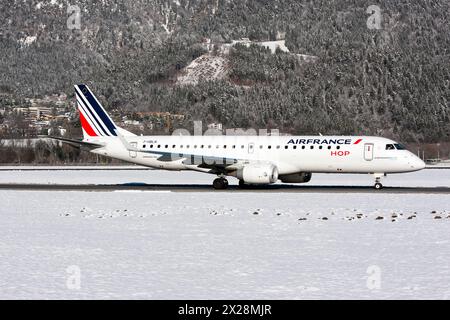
column 94, row 119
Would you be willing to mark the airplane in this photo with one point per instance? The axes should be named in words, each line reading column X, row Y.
column 254, row 160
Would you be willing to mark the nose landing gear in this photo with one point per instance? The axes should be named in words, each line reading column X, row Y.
column 220, row 183
column 378, row 185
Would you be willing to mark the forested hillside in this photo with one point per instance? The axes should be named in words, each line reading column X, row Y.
column 392, row 81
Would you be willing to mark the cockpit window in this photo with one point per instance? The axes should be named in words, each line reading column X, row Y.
column 399, row 146
column 390, row 147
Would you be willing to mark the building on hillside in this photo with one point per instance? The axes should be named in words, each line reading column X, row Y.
column 215, row 126
column 132, row 122
column 152, row 119
column 60, row 130
column 34, row 113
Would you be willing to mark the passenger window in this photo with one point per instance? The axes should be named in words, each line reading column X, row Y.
column 338, row 147
column 295, row 147
column 143, row 146
column 320, row 147
column 285, row 147
column 173, row 146
column 390, row 147
column 303, row 147
column 159, row 146
column 167, row 146
column 312, row 147
column 151, row 146
column 269, row 147
column 329, row 147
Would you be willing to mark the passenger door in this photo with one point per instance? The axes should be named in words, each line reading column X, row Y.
column 368, row 151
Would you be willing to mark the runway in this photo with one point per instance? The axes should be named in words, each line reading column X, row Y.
column 232, row 188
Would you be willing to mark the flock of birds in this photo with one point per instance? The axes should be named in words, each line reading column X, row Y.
column 347, row 214
column 355, row 215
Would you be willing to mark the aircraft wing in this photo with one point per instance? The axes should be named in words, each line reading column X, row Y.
column 216, row 164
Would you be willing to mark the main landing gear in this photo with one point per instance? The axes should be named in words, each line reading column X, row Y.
column 220, row 183
column 378, row 185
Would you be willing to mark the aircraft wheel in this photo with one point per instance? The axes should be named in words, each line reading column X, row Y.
column 220, row 183
column 378, row 186
column 242, row 184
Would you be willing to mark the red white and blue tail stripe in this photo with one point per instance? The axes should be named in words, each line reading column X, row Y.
column 94, row 119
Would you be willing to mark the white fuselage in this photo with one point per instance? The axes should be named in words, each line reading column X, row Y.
column 290, row 154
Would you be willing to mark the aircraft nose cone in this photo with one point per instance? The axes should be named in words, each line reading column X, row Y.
column 422, row 164
column 418, row 163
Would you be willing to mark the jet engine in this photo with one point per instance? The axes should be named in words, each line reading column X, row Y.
column 258, row 174
column 300, row 177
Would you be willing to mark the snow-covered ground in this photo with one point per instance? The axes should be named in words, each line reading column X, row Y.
column 271, row 45
column 210, row 245
column 424, row 178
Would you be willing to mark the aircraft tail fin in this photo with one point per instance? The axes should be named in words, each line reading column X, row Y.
column 94, row 119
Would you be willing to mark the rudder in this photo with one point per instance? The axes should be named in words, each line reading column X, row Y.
column 93, row 117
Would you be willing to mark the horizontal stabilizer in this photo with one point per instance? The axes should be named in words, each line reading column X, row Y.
column 79, row 143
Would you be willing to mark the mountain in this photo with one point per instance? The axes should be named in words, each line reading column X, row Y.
column 392, row 81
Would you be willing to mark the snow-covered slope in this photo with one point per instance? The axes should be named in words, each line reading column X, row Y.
column 205, row 68
column 211, row 66
column 272, row 46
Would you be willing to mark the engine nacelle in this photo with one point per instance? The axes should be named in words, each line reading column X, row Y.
column 258, row 174
column 300, row 177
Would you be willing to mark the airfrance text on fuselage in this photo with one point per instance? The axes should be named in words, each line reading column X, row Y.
column 320, row 141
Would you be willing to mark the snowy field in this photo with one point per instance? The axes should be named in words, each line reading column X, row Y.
column 209, row 245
